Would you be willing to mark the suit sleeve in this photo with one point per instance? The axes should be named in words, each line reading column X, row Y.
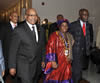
column 43, row 46
column 71, row 30
column 91, row 34
column 14, row 45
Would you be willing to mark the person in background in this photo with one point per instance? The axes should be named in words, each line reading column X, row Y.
column 81, row 49
column 59, row 55
column 91, row 32
column 2, row 65
column 53, row 27
column 7, row 30
column 45, row 25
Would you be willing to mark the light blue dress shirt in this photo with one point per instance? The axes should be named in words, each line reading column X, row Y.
column 2, row 66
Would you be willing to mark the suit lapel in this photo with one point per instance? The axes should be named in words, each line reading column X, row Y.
column 79, row 24
column 87, row 26
column 10, row 27
column 29, row 32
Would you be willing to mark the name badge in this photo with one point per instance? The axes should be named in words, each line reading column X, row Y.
column 66, row 52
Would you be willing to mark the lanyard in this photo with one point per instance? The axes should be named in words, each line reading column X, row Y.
column 63, row 38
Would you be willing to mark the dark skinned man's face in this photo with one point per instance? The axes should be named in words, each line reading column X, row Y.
column 84, row 16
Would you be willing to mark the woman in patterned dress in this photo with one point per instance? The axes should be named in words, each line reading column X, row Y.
column 59, row 55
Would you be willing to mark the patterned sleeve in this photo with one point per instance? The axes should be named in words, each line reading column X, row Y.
column 50, row 53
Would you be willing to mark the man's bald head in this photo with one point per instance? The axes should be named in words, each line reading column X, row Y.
column 31, row 16
column 30, row 9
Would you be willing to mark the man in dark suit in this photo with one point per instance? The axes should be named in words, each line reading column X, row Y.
column 26, row 49
column 7, row 29
column 81, row 33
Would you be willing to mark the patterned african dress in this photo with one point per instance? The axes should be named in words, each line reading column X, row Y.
column 56, row 51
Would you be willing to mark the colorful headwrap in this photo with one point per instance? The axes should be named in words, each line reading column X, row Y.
column 61, row 21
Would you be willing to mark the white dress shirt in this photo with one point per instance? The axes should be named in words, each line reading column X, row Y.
column 13, row 25
column 81, row 22
column 35, row 28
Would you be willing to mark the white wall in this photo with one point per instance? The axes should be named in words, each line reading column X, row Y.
column 69, row 8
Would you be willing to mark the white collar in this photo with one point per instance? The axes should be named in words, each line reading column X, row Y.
column 35, row 28
column 81, row 22
column 12, row 24
column 30, row 25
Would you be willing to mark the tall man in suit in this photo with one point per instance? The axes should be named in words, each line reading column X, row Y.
column 81, row 33
column 7, row 30
column 26, row 49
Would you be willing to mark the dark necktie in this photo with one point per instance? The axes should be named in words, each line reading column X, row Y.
column 34, row 33
column 84, row 31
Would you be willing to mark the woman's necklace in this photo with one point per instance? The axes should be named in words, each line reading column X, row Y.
column 66, row 50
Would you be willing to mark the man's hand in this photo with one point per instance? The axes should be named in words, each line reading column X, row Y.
column 43, row 64
column 12, row 71
column 3, row 73
column 54, row 64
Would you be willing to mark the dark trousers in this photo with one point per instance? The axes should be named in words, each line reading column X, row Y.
column 85, row 62
column 76, row 72
column 85, row 58
column 31, row 80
